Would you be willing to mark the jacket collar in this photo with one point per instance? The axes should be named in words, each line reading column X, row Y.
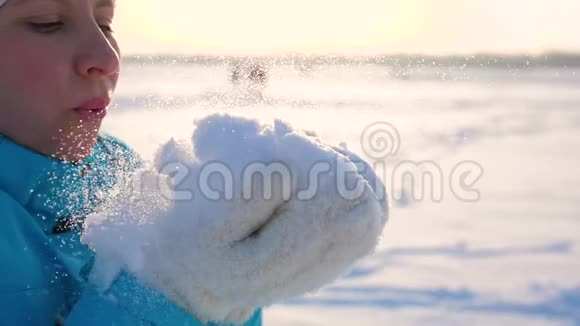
column 49, row 187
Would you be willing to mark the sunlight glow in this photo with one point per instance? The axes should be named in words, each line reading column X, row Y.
column 363, row 26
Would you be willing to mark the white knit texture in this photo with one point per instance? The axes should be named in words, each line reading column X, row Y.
column 206, row 255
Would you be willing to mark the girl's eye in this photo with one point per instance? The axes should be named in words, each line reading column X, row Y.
column 106, row 29
column 51, row 27
column 47, row 28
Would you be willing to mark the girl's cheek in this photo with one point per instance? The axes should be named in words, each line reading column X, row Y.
column 35, row 71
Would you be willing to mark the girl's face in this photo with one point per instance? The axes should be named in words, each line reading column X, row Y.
column 59, row 65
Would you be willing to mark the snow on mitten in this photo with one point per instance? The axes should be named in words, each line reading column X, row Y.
column 242, row 242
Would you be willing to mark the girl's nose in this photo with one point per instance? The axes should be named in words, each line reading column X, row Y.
column 98, row 57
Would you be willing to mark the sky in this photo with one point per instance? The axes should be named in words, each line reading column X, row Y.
column 347, row 26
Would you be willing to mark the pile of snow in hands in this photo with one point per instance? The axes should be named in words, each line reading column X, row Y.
column 220, row 253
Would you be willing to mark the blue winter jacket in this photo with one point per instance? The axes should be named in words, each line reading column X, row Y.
column 43, row 278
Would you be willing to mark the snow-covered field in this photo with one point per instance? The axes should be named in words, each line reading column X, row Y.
column 511, row 257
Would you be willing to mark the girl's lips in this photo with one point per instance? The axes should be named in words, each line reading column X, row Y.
column 91, row 114
column 94, row 109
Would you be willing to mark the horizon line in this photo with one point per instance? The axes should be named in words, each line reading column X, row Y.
column 361, row 55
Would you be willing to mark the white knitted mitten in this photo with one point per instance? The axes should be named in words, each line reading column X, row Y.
column 238, row 243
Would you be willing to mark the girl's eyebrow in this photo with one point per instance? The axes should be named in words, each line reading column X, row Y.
column 24, row 2
column 100, row 3
column 106, row 3
column 16, row 2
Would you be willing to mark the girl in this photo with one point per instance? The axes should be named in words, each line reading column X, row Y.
column 59, row 65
